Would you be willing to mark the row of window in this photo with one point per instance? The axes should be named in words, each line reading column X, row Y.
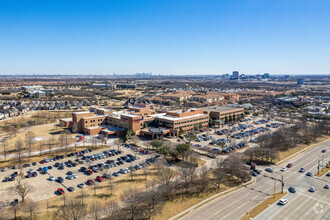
column 185, row 122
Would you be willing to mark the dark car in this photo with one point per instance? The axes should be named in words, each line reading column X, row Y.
column 71, row 189
column 324, row 150
column 269, row 170
column 292, row 190
column 60, row 179
column 90, row 182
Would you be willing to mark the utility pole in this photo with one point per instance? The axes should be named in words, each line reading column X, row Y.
column 318, row 167
column 274, row 187
column 282, row 185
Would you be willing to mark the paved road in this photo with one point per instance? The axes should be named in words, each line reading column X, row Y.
column 234, row 205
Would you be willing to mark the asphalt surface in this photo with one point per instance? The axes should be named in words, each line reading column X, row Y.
column 42, row 188
column 236, row 204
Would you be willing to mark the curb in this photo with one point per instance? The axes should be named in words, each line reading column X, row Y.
column 207, row 200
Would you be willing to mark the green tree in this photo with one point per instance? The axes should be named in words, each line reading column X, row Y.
column 242, row 115
column 164, row 150
column 234, row 117
column 226, row 119
column 156, row 143
column 183, row 149
column 181, row 131
column 230, row 118
column 210, row 122
column 145, row 125
column 129, row 134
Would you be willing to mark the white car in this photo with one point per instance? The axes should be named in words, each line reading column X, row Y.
column 312, row 189
column 283, row 201
column 327, row 186
column 74, row 175
column 283, row 169
column 51, row 178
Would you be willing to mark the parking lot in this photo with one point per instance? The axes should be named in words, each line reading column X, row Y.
column 234, row 136
column 42, row 187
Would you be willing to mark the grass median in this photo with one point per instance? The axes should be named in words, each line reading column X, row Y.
column 323, row 171
column 262, row 206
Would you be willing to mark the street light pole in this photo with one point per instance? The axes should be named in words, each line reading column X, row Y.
column 282, row 185
column 318, row 167
column 274, row 187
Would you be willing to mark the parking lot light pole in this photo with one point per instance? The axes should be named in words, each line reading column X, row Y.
column 318, row 167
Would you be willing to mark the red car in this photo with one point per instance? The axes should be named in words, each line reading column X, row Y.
column 289, row 165
column 90, row 182
column 88, row 172
column 60, row 191
column 42, row 162
column 99, row 178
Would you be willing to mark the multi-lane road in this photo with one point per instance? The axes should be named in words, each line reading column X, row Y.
column 302, row 205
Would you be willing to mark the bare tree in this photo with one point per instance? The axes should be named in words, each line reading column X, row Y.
column 187, row 175
column 3, row 211
column 146, row 170
column 50, row 144
column 4, row 145
column 131, row 199
column 218, row 171
column 204, row 178
column 152, row 196
column 164, row 176
column 111, row 185
column 95, row 211
column 73, row 209
column 41, row 143
column 19, row 146
column 15, row 210
column 82, row 195
column 21, row 188
column 30, row 140
column 131, row 168
column 31, row 207
column 111, row 211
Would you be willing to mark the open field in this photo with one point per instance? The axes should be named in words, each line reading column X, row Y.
column 39, row 117
column 42, row 132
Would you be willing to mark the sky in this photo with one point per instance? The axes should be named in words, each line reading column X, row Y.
column 164, row 36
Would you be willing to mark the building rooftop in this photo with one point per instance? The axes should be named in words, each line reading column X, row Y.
column 219, row 108
column 173, row 118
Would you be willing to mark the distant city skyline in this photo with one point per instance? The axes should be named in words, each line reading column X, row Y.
column 166, row 37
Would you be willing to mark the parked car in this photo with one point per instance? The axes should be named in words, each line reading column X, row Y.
column 328, row 174
column 309, row 174
column 289, row 165
column 60, row 179
column 81, row 185
column 302, row 170
column 51, row 178
column 312, row 189
column 326, row 186
column 60, row 191
column 71, row 189
column 324, row 150
column 99, row 178
column 269, row 170
column 90, row 182
column 283, row 169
